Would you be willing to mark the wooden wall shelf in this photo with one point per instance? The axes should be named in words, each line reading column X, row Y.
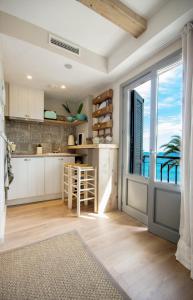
column 64, row 123
column 48, row 121
column 103, row 97
column 103, row 129
column 101, row 126
column 103, row 111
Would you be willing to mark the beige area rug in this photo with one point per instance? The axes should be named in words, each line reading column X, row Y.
column 61, row 267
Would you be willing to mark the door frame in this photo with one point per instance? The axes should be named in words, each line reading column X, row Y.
column 124, row 140
column 141, row 216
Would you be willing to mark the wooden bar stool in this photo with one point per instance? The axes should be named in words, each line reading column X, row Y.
column 66, row 190
column 83, row 185
column 67, row 182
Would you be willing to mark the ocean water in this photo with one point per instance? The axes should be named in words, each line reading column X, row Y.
column 172, row 175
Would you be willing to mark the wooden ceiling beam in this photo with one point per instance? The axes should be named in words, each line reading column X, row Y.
column 119, row 14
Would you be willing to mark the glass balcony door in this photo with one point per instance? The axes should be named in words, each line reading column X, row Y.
column 151, row 127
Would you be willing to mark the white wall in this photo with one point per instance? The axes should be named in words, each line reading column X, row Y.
column 56, row 105
column 2, row 192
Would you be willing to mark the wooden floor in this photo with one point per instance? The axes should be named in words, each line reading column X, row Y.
column 143, row 264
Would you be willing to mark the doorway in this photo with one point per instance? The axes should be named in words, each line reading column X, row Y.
column 150, row 152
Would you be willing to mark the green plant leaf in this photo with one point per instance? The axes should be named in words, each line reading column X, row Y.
column 80, row 108
column 173, row 146
column 66, row 107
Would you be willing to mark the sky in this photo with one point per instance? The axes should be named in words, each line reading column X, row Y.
column 169, row 106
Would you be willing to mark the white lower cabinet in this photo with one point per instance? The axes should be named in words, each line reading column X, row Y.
column 53, row 173
column 28, row 178
column 19, row 187
column 36, row 176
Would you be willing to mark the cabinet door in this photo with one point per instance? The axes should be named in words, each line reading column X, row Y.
column 19, row 187
column 53, row 173
column 36, row 104
column 26, row 103
column 18, row 101
column 36, row 176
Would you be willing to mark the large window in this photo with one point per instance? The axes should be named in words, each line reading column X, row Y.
column 169, row 123
column 163, row 113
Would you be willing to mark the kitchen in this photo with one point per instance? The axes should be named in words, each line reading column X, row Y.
column 91, row 128
column 41, row 146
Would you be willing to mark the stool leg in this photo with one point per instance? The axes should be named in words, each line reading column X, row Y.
column 69, row 188
column 62, row 183
column 85, row 187
column 95, row 191
column 78, row 192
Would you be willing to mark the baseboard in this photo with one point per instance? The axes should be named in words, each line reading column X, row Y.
column 33, row 199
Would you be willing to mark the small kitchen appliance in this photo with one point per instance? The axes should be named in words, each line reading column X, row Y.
column 71, row 140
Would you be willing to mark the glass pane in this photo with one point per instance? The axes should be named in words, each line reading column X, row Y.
column 140, row 129
column 169, row 124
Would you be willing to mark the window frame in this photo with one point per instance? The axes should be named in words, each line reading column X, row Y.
column 149, row 74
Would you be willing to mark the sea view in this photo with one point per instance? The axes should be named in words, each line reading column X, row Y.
column 165, row 174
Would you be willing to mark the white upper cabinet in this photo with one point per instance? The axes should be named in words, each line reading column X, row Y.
column 36, row 104
column 26, row 103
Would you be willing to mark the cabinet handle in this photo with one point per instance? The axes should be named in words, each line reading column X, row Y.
column 27, row 159
column 60, row 158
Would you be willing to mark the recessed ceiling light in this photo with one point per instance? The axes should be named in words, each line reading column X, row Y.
column 63, row 86
column 68, row 66
column 29, row 77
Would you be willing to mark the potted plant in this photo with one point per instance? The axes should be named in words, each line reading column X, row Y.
column 78, row 116
column 70, row 118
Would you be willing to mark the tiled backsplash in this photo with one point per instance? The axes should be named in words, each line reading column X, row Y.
column 27, row 136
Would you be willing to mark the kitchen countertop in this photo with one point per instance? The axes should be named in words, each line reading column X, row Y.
column 45, row 155
column 94, row 146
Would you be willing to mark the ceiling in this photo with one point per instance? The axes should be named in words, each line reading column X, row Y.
column 47, row 69
column 107, row 52
column 145, row 8
column 75, row 22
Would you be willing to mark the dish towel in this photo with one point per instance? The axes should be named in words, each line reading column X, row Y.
column 8, row 167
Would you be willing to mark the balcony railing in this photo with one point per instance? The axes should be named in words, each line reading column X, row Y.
column 164, row 173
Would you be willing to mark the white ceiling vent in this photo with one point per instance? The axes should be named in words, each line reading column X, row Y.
column 58, row 42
